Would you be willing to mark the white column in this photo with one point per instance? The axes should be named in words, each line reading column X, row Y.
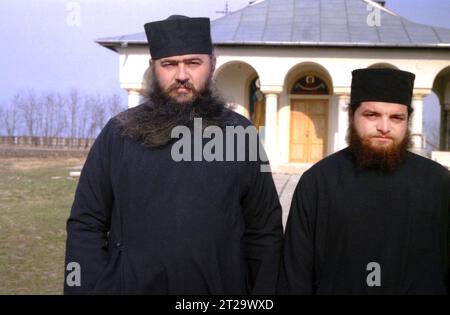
column 134, row 98
column 343, row 100
column 417, row 124
column 270, row 130
column 445, row 128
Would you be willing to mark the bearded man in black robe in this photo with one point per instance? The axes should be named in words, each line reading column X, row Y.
column 372, row 218
column 146, row 222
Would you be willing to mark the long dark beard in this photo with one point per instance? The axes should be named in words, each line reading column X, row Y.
column 151, row 123
column 383, row 159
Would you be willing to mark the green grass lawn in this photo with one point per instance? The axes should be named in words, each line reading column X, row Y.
column 35, row 200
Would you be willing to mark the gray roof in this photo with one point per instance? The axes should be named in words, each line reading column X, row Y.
column 311, row 23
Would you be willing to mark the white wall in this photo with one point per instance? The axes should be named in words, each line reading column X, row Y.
column 236, row 66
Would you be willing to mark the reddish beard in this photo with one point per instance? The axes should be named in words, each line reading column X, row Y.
column 385, row 158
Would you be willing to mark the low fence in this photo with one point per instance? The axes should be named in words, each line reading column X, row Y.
column 47, row 142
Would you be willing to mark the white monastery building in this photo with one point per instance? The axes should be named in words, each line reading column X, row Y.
column 286, row 65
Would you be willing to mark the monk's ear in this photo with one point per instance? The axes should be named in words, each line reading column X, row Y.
column 213, row 62
column 351, row 114
column 150, row 62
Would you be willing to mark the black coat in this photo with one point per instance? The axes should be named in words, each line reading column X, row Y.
column 342, row 219
column 142, row 223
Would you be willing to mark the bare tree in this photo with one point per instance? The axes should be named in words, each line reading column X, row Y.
column 115, row 105
column 49, row 119
column 97, row 108
column 28, row 105
column 2, row 117
column 52, row 115
column 83, row 118
column 73, row 108
column 61, row 116
column 55, row 120
column 91, row 125
column 39, row 118
column 100, row 114
column 10, row 119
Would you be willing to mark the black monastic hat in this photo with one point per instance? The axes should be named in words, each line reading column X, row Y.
column 179, row 35
column 381, row 85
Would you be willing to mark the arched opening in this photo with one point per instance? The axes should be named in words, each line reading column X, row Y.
column 309, row 87
column 432, row 122
column 441, row 87
column 238, row 82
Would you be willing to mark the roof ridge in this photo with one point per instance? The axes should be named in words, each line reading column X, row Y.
column 238, row 25
column 293, row 22
column 267, row 18
column 377, row 29
column 347, row 18
column 436, row 33
column 426, row 25
column 320, row 20
column 406, row 30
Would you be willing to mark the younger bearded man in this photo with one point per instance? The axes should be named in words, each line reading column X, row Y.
column 374, row 217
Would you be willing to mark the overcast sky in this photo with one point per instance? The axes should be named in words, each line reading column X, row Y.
column 42, row 51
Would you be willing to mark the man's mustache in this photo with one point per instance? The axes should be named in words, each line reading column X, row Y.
column 382, row 137
column 186, row 84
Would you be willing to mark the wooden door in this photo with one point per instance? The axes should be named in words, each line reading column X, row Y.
column 308, row 130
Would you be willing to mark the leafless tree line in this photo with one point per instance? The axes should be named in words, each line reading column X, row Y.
column 51, row 114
